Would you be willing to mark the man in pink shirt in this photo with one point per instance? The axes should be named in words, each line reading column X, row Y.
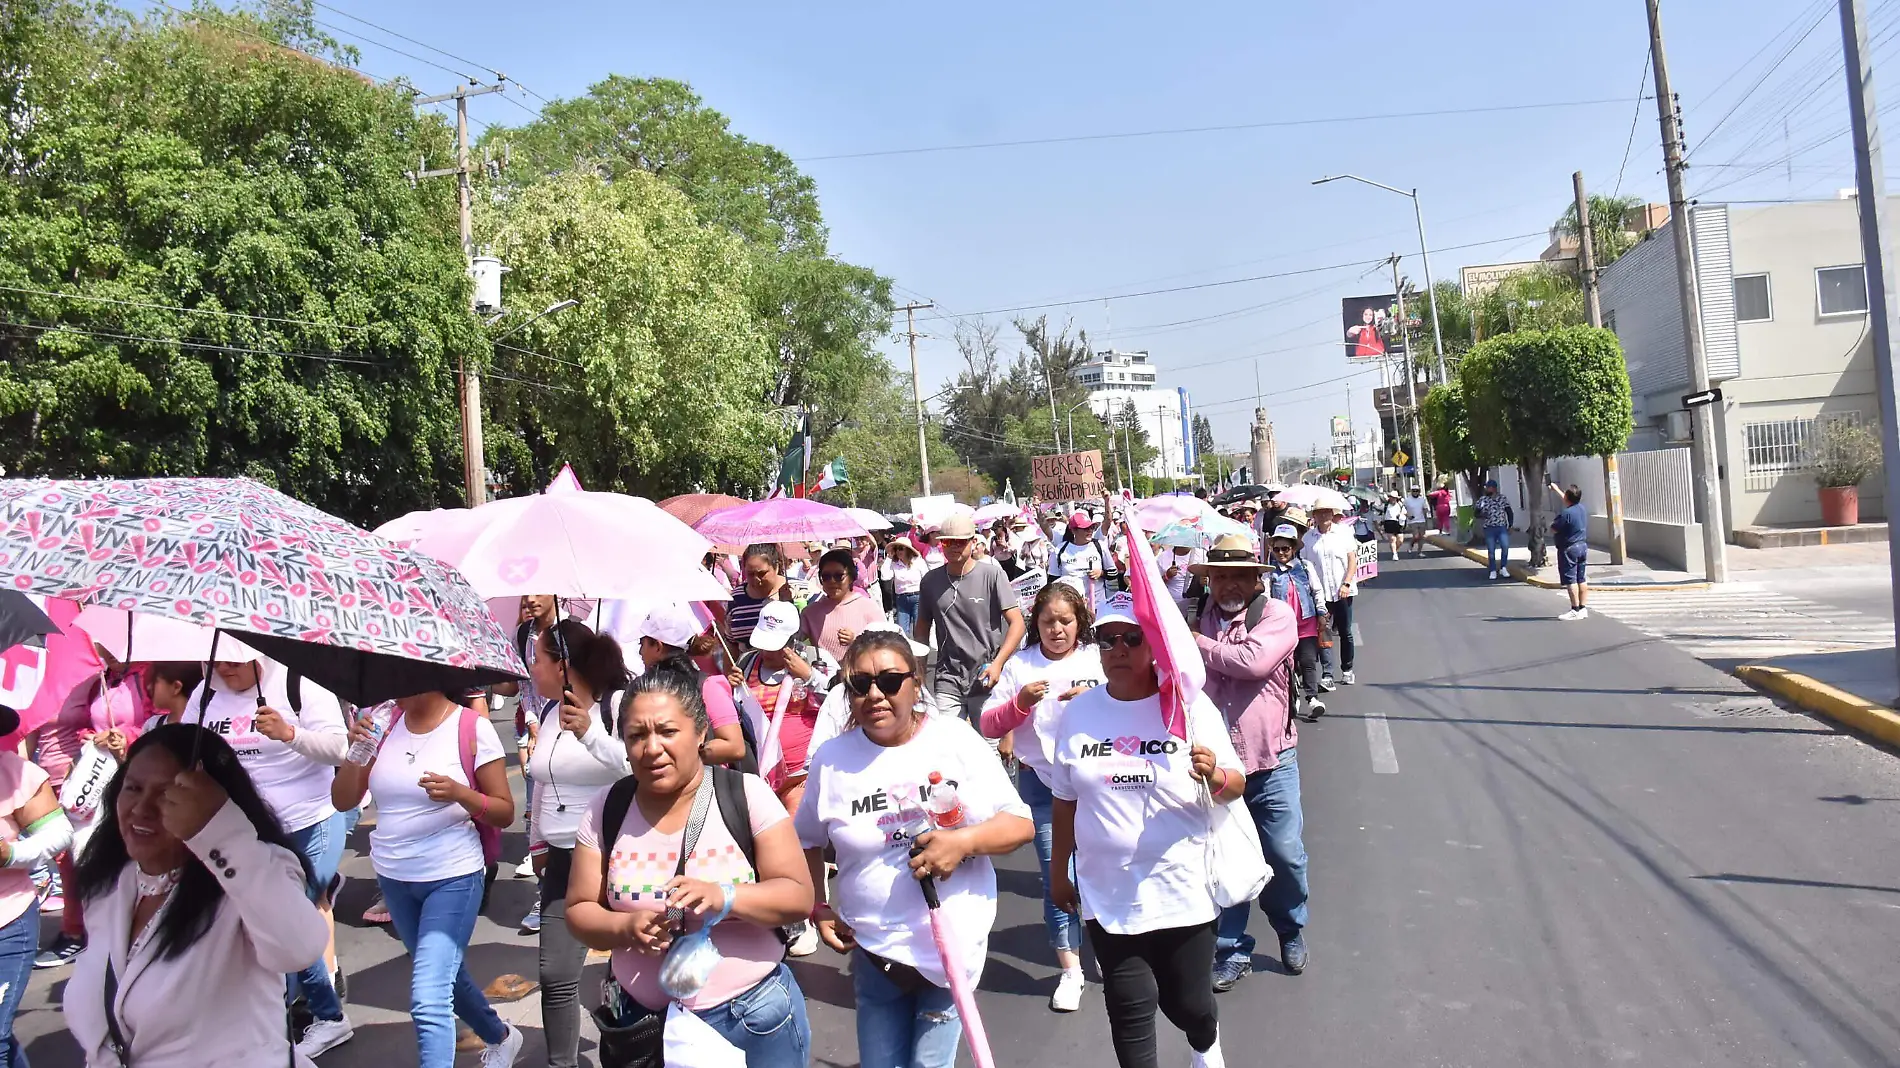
column 1247, row 639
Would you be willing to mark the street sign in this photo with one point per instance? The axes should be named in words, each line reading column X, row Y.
column 1399, row 459
column 1697, row 400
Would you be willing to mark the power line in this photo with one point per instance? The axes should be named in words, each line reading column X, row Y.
column 499, row 76
column 175, row 308
column 187, row 343
column 1772, row 67
column 1630, row 142
column 1228, row 128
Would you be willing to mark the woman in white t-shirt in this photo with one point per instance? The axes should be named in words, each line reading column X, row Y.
column 866, row 798
column 906, row 570
column 1129, row 810
column 430, row 859
column 288, row 732
column 577, row 756
column 1036, row 685
column 1079, row 559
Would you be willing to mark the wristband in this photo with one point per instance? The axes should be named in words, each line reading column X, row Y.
column 1222, row 788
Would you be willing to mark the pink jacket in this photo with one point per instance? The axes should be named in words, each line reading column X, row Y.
column 1247, row 676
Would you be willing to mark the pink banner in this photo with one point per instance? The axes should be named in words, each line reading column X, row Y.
column 1178, row 663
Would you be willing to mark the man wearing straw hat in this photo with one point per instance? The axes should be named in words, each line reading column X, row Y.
column 1247, row 638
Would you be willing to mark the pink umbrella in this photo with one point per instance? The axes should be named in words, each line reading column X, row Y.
column 1157, row 512
column 990, row 513
column 959, row 977
column 779, row 519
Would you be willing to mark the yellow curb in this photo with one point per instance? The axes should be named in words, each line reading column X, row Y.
column 1847, row 709
column 1532, row 578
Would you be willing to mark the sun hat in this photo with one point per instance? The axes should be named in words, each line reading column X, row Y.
column 671, row 625
column 778, row 621
column 1118, row 608
column 1231, row 552
column 957, row 526
column 1296, row 515
column 916, row 646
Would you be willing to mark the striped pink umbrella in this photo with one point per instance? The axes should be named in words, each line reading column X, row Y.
column 779, row 519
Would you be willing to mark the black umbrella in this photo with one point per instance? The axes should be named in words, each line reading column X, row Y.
column 1244, row 493
column 21, row 620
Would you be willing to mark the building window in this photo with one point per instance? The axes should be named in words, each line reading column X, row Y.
column 1842, row 290
column 1778, row 447
column 1752, row 302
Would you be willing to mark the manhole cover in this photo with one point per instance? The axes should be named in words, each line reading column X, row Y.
column 1735, row 708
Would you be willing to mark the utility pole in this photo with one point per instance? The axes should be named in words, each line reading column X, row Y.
column 474, row 469
column 1055, row 426
column 1411, row 380
column 1612, row 485
column 1882, row 305
column 917, row 389
column 1702, row 448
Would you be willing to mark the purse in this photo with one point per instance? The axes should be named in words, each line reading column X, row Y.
column 1237, row 868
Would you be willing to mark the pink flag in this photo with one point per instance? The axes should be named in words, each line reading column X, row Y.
column 67, row 661
column 1178, row 662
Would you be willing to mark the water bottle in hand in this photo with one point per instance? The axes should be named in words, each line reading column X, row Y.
column 946, row 809
column 364, row 750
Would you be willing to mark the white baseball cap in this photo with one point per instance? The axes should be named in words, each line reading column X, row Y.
column 1118, row 608
column 1285, row 530
column 778, row 621
column 671, row 625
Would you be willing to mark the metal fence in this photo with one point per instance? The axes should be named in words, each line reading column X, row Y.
column 1777, row 447
column 1655, row 484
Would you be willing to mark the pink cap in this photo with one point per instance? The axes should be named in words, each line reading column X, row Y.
column 1081, row 519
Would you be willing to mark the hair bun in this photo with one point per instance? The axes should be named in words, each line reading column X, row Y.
column 9, row 720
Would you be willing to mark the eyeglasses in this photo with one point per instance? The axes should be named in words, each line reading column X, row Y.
column 1132, row 639
column 831, row 576
column 887, row 682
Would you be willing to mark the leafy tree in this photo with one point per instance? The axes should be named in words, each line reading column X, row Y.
column 1447, row 419
column 1536, row 394
column 1543, row 298
column 217, row 265
column 1608, row 237
column 878, row 441
column 653, row 382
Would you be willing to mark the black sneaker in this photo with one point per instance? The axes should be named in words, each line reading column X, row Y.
column 1228, row 973
column 1293, row 954
column 61, row 952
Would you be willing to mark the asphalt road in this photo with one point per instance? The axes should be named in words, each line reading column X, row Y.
column 1570, row 853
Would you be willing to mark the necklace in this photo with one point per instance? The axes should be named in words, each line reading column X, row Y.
column 154, row 885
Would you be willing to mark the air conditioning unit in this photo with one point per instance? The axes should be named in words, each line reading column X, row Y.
column 1677, row 428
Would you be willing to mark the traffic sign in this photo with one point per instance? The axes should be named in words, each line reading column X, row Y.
column 1399, row 459
column 1697, row 400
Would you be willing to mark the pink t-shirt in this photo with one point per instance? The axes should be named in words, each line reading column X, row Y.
column 19, row 781
column 716, row 691
column 824, row 618
column 91, row 709
column 641, row 863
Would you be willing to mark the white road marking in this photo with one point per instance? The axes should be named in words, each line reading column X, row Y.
column 1385, row 760
column 1743, row 621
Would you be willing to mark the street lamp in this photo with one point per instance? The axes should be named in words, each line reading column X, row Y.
column 558, row 306
column 1069, row 418
column 1424, row 252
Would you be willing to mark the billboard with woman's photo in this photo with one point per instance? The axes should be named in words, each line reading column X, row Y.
column 1371, row 330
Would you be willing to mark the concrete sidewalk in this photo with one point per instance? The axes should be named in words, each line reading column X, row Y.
column 1602, row 574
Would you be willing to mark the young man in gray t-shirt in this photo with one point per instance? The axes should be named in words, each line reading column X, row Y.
column 980, row 625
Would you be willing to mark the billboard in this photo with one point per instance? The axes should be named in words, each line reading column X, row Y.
column 1371, row 327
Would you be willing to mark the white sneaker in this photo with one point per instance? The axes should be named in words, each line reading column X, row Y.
column 1212, row 1058
column 525, row 869
column 505, row 1053
column 1491, row 575
column 1068, row 995
column 1326, row 684
column 1570, row 616
column 325, row 1035
column 1349, row 678
column 1584, row 612
column 805, row 942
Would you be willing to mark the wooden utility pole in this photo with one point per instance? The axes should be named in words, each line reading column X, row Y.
column 917, row 389
column 474, row 470
column 1612, row 485
column 1708, row 493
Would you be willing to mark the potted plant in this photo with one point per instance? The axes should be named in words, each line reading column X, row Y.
column 1844, row 453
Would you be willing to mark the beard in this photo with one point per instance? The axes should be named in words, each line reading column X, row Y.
column 1233, row 606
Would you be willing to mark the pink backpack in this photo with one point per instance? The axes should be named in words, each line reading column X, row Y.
column 465, row 744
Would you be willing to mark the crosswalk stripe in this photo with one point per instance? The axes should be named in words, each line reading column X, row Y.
column 1741, row 621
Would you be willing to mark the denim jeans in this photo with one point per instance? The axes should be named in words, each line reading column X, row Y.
column 321, row 844
column 1497, row 547
column 19, row 942
column 906, row 611
column 1274, row 799
column 435, row 921
column 767, row 1022
column 1065, row 930
column 899, row 1030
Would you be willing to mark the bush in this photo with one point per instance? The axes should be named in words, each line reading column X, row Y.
column 1844, row 452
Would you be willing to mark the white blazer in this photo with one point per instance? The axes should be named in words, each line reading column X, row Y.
column 222, row 1001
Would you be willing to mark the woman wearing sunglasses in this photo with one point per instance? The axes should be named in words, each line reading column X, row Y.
column 1129, row 810
column 842, row 613
column 1037, row 684
column 868, row 798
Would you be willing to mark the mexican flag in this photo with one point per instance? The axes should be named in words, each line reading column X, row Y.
column 796, row 459
column 832, row 475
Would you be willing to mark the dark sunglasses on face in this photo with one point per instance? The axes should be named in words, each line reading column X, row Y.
column 1132, row 639
column 887, row 682
column 831, row 576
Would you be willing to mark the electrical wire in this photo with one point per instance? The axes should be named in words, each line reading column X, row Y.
column 174, row 308
column 187, row 343
column 499, row 76
column 1765, row 75
column 1630, row 142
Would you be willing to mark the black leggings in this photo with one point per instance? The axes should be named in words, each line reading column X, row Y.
column 1341, row 612
column 1168, row 968
column 562, row 958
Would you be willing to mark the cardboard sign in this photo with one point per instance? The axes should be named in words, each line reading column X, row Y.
column 1068, row 476
column 1367, row 558
column 1028, row 585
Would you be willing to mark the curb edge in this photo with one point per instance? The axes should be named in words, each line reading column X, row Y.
column 1849, row 710
column 1528, row 577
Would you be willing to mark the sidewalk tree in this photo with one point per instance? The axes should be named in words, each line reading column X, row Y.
column 1534, row 395
column 1447, row 419
column 1608, row 237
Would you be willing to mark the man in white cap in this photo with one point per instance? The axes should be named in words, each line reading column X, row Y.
column 974, row 607
column 1247, row 638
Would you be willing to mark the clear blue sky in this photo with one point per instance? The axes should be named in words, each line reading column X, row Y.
column 1000, row 228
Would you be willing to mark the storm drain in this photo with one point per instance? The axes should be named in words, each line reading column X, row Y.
column 1736, row 708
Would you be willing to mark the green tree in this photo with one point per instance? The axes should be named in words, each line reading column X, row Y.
column 1609, row 238
column 1447, row 419
column 217, row 265
column 653, row 383
column 1536, row 394
column 1543, row 298
column 878, row 441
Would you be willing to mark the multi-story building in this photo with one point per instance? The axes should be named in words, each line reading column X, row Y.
column 1117, row 380
column 1783, row 303
column 1110, row 369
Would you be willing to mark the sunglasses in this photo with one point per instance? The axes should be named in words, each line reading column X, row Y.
column 887, row 682
column 1131, row 639
column 831, row 576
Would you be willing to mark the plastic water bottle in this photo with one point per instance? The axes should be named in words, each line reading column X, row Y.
column 946, row 809
column 380, row 717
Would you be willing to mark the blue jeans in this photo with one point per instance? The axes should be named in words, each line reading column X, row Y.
column 899, row 1030
column 1497, row 547
column 322, row 845
column 19, row 942
column 767, row 1022
column 1065, row 930
column 906, row 611
column 435, row 921
column 1274, row 799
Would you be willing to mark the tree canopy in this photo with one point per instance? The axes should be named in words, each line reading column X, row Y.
column 1609, row 238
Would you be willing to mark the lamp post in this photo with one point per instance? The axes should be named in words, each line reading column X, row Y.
column 1424, row 252
column 558, row 306
column 1068, row 417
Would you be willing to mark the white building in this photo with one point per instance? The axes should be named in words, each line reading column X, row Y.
column 1116, row 380
column 1112, row 370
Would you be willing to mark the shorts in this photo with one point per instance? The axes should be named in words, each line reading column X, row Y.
column 1572, row 564
column 1415, row 528
column 1391, row 526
